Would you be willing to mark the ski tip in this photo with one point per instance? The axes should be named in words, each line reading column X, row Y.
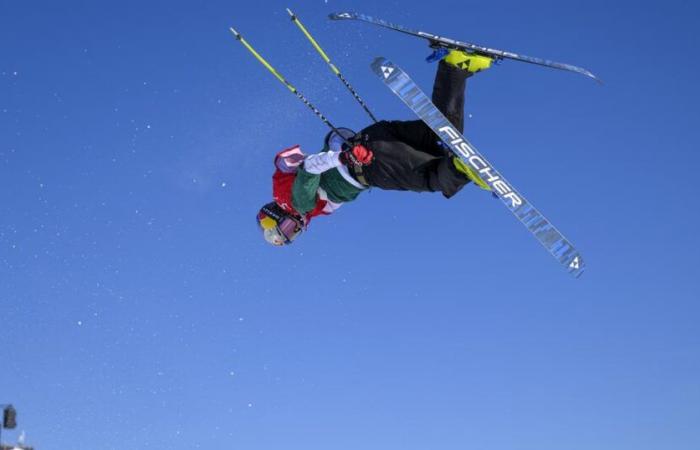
column 340, row 15
column 235, row 33
column 590, row 74
column 576, row 266
column 384, row 68
column 379, row 62
column 291, row 14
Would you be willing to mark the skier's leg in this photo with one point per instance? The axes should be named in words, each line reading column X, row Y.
column 449, row 175
column 450, row 83
column 449, row 92
column 448, row 96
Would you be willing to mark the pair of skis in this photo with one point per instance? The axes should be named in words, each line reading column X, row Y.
column 406, row 89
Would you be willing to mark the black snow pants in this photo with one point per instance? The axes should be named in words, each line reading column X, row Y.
column 407, row 154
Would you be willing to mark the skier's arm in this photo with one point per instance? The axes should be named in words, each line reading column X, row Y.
column 308, row 178
column 304, row 191
column 321, row 162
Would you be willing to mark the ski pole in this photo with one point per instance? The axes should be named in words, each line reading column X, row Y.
column 289, row 86
column 333, row 67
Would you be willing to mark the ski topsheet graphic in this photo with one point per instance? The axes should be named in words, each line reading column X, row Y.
column 401, row 84
column 436, row 40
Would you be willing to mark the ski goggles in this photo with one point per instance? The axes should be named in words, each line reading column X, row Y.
column 279, row 227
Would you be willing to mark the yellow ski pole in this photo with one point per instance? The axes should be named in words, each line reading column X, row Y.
column 289, row 86
column 333, row 67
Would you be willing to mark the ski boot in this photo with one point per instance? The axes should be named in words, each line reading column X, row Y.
column 471, row 62
column 470, row 173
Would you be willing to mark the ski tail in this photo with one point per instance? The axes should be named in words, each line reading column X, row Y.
column 405, row 88
column 328, row 61
column 436, row 40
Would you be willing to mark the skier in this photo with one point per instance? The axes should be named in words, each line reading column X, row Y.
column 392, row 155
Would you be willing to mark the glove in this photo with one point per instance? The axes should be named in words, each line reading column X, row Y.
column 359, row 155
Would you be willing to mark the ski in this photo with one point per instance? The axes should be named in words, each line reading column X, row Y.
column 440, row 41
column 406, row 89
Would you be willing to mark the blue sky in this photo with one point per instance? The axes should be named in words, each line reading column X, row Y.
column 140, row 307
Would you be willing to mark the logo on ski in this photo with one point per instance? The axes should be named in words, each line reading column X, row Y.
column 479, row 164
column 574, row 264
column 387, row 71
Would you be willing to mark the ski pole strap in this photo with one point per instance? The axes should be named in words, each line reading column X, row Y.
column 357, row 173
column 356, row 169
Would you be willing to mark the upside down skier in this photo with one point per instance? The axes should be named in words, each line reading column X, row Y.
column 391, row 155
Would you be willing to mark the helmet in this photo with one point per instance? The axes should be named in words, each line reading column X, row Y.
column 280, row 227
